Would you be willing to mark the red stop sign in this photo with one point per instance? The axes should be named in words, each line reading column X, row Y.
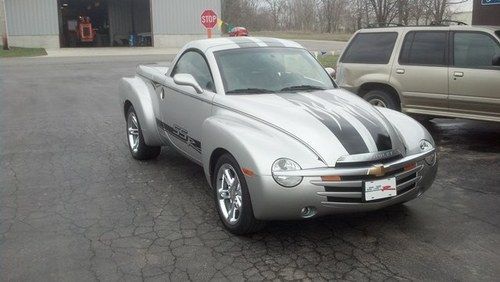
column 208, row 19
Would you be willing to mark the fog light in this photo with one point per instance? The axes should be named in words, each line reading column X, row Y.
column 308, row 212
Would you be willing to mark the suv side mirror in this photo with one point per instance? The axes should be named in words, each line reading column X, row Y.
column 496, row 61
column 187, row 80
column 331, row 72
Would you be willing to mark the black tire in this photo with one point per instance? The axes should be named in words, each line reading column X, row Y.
column 142, row 151
column 387, row 99
column 247, row 223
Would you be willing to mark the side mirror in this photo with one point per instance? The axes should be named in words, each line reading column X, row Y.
column 187, row 80
column 496, row 61
column 331, row 72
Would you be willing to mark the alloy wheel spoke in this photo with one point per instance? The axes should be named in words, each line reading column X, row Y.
column 224, row 194
column 229, row 180
column 134, row 121
column 133, row 131
column 237, row 202
column 231, row 213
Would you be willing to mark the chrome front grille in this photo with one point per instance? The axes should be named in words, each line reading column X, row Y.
column 350, row 189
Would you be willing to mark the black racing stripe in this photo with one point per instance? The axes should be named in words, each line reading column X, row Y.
column 376, row 129
column 272, row 42
column 191, row 142
column 243, row 42
column 340, row 127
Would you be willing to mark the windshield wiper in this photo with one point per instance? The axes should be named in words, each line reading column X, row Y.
column 249, row 90
column 301, row 87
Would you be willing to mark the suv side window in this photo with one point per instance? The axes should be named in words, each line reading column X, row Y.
column 424, row 48
column 474, row 50
column 194, row 64
column 370, row 48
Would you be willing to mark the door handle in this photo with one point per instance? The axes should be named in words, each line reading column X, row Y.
column 400, row 71
column 162, row 93
column 458, row 74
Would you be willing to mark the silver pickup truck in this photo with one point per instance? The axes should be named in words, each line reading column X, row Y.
column 276, row 137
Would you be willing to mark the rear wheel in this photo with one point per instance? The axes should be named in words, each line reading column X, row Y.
column 138, row 148
column 232, row 197
column 381, row 98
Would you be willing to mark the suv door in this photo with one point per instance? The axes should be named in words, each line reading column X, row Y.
column 183, row 109
column 474, row 81
column 421, row 73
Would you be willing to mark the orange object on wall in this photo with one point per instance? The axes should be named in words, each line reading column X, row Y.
column 85, row 31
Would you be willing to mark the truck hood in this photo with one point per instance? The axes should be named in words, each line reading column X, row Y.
column 333, row 123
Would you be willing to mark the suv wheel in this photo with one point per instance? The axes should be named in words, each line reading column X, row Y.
column 381, row 98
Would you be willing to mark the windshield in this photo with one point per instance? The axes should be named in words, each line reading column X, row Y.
column 270, row 70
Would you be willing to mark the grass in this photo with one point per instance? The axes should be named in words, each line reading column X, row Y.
column 328, row 60
column 303, row 35
column 22, row 52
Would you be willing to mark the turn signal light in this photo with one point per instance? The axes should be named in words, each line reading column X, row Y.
column 247, row 171
column 410, row 166
column 331, row 178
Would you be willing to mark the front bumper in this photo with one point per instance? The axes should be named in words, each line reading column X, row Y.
column 271, row 201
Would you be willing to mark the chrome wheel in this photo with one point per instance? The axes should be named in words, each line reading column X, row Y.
column 133, row 132
column 229, row 194
column 378, row 103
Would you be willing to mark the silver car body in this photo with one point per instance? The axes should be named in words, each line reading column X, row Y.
column 326, row 132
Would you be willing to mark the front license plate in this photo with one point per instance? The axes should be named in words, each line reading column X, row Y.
column 380, row 189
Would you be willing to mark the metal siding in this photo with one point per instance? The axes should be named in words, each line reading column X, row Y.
column 32, row 17
column 180, row 16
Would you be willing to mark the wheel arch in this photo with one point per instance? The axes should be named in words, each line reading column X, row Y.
column 126, row 105
column 135, row 92
column 214, row 156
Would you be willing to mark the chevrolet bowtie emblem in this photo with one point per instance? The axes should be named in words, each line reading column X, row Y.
column 377, row 170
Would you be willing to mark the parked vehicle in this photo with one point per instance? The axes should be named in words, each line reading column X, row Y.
column 276, row 137
column 450, row 71
column 238, row 31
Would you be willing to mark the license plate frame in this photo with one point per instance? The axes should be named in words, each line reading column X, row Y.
column 379, row 189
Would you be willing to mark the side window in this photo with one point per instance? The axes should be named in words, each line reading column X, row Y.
column 370, row 48
column 194, row 64
column 474, row 50
column 424, row 48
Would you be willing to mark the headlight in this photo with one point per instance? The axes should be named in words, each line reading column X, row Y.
column 426, row 146
column 286, row 165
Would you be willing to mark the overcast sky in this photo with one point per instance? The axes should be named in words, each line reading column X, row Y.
column 467, row 6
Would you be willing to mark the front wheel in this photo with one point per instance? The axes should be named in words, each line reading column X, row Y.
column 138, row 148
column 232, row 197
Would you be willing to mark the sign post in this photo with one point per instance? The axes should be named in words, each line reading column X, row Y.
column 209, row 20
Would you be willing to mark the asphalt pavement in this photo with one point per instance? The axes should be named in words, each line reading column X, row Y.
column 75, row 206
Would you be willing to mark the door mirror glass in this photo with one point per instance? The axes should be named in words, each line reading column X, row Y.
column 496, row 61
column 187, row 80
column 331, row 72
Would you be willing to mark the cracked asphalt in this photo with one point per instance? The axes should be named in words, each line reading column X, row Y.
column 75, row 206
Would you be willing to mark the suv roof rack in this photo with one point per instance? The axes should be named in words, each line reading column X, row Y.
column 382, row 24
column 446, row 22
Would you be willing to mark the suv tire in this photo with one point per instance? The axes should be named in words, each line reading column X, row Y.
column 381, row 98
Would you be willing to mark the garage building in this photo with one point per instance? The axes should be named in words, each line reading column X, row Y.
column 104, row 23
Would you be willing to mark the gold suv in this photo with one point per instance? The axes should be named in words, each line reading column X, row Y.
column 451, row 71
